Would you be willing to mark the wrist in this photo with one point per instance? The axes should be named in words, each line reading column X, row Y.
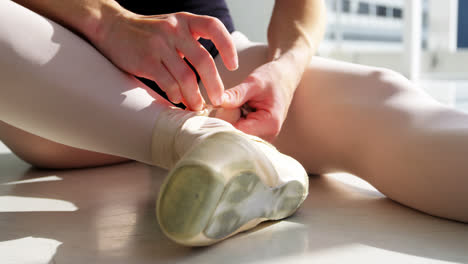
column 101, row 19
column 296, row 58
column 288, row 69
column 297, row 48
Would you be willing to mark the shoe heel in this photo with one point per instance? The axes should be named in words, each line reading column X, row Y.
column 187, row 201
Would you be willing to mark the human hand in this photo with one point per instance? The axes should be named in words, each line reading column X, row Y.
column 153, row 47
column 268, row 90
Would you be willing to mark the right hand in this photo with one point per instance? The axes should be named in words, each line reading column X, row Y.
column 153, row 47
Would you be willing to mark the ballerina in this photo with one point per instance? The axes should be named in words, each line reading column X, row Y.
column 58, row 91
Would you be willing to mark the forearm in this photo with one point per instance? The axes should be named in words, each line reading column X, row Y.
column 296, row 29
column 82, row 16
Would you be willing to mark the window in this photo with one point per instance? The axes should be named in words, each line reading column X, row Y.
column 397, row 13
column 363, row 8
column 381, row 11
column 346, row 6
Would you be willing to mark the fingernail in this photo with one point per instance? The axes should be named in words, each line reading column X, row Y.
column 236, row 64
column 201, row 105
column 218, row 101
column 176, row 99
column 224, row 98
column 197, row 108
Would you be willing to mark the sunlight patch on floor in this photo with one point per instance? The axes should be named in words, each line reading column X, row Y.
column 352, row 180
column 31, row 204
column 357, row 252
column 4, row 149
column 28, row 250
column 41, row 179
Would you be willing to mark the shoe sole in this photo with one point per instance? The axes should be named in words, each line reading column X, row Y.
column 197, row 206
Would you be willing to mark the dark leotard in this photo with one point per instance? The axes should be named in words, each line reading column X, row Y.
column 215, row 8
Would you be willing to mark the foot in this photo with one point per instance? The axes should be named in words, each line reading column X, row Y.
column 225, row 183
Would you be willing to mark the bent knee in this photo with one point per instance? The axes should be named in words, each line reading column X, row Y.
column 390, row 81
column 39, row 152
column 43, row 153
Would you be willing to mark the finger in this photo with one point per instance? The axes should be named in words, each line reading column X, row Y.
column 201, row 59
column 186, row 79
column 213, row 29
column 238, row 95
column 259, row 124
column 167, row 83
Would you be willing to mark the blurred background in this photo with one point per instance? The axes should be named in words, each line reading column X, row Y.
column 426, row 40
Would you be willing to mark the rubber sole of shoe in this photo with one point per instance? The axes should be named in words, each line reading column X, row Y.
column 196, row 207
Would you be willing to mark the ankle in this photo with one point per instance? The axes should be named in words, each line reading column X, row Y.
column 168, row 124
column 176, row 131
column 197, row 128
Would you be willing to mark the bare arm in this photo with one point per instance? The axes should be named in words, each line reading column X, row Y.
column 150, row 46
column 296, row 30
column 81, row 16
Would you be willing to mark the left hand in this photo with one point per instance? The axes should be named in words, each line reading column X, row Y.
column 269, row 90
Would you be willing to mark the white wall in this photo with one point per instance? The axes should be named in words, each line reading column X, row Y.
column 251, row 17
column 443, row 25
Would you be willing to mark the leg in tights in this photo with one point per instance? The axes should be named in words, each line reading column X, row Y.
column 58, row 87
column 377, row 125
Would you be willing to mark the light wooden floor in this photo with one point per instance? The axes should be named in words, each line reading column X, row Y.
column 106, row 215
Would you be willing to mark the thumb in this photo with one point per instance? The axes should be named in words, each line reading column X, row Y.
column 258, row 124
column 238, row 95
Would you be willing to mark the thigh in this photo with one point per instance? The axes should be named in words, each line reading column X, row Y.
column 340, row 109
column 44, row 153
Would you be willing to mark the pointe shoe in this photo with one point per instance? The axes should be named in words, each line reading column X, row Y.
column 226, row 183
